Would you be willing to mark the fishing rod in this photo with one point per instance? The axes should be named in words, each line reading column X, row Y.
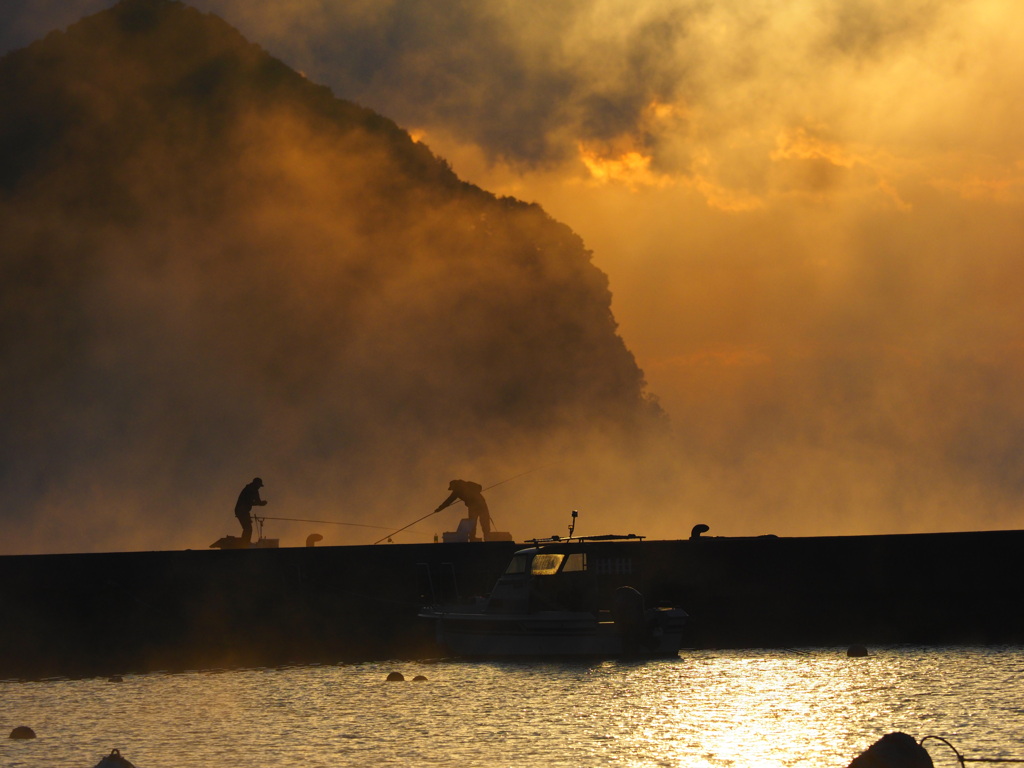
column 410, row 525
column 521, row 474
column 500, row 482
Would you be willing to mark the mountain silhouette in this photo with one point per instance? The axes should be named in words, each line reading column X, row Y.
column 212, row 268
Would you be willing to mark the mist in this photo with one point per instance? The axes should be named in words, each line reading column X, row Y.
column 216, row 270
column 808, row 215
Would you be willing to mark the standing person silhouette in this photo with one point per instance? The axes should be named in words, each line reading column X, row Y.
column 247, row 499
column 471, row 494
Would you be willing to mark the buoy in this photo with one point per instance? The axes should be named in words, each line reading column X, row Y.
column 856, row 651
column 23, row 732
column 894, row 750
column 396, row 677
column 419, row 679
column 114, row 760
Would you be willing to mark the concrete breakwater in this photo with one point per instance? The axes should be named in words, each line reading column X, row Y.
column 90, row 614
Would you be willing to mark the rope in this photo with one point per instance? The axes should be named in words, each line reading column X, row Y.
column 964, row 760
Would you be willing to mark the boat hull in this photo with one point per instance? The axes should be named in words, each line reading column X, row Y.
column 555, row 634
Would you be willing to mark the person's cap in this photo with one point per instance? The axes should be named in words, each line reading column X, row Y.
column 257, row 481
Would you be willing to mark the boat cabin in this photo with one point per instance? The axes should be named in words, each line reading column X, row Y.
column 559, row 576
column 545, row 579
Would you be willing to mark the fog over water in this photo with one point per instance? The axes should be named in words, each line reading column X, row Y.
column 808, row 215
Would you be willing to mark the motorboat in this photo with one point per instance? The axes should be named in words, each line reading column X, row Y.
column 562, row 597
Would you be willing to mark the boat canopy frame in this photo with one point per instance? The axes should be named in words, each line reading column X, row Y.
column 604, row 537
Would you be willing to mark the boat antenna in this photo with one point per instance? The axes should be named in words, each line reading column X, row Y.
column 572, row 525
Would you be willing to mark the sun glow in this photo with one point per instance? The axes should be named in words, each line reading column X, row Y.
column 631, row 168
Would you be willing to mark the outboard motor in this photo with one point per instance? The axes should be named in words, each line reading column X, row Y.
column 629, row 617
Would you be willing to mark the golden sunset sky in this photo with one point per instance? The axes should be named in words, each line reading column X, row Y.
column 811, row 214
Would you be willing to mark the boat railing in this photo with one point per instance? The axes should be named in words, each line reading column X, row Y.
column 605, row 537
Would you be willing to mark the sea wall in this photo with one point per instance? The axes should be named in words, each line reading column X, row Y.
column 928, row 589
column 121, row 612
column 89, row 614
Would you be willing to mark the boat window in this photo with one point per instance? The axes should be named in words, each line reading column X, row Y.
column 518, row 564
column 577, row 561
column 546, row 565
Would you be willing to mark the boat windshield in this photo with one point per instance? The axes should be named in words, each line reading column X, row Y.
column 549, row 564
column 519, row 564
column 577, row 561
column 546, row 565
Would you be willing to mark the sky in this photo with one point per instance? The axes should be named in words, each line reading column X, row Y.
column 809, row 212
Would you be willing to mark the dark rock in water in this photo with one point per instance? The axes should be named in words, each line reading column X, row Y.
column 856, row 651
column 894, row 750
column 23, row 732
column 396, row 677
column 419, row 679
column 114, row 760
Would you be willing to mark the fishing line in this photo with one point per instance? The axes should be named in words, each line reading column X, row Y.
column 326, row 522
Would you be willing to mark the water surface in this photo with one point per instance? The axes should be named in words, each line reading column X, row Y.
column 750, row 709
